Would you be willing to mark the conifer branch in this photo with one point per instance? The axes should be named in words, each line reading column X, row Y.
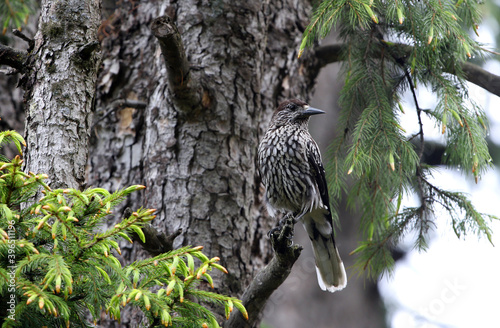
column 67, row 265
column 384, row 162
column 334, row 53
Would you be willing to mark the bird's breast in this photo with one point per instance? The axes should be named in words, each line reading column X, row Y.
column 285, row 171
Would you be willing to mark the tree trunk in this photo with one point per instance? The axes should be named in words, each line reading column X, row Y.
column 61, row 89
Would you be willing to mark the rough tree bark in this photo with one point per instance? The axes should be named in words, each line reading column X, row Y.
column 60, row 86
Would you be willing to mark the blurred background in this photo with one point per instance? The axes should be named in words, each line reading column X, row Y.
column 455, row 283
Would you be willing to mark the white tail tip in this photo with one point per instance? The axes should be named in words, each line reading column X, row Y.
column 331, row 288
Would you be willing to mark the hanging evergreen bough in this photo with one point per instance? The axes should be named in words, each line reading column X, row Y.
column 391, row 47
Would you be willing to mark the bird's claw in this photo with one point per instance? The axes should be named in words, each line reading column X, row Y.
column 274, row 230
column 286, row 221
column 282, row 235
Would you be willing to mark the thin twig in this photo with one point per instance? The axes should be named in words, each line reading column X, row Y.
column 419, row 115
column 421, row 152
column 22, row 36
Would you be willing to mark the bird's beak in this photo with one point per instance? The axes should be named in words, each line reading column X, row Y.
column 312, row 111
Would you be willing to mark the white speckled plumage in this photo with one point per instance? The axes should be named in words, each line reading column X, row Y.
column 292, row 172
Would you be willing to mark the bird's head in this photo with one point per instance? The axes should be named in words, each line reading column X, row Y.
column 294, row 111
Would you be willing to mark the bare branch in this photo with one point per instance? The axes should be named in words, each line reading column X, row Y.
column 22, row 36
column 269, row 278
column 186, row 95
column 12, row 57
column 333, row 53
column 481, row 77
column 156, row 242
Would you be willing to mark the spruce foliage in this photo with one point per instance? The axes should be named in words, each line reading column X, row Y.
column 15, row 13
column 394, row 46
column 58, row 262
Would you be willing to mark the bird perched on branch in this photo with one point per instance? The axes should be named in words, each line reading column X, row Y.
column 293, row 174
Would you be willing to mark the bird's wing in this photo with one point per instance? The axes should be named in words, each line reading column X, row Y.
column 319, row 227
column 318, row 172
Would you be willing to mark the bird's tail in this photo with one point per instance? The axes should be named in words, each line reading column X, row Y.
column 329, row 266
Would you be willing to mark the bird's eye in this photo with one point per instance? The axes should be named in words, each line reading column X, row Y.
column 291, row 107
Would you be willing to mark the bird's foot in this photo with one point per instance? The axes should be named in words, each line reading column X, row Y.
column 288, row 219
column 274, row 230
column 282, row 235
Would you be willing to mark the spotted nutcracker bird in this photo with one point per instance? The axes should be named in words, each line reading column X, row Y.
column 293, row 174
